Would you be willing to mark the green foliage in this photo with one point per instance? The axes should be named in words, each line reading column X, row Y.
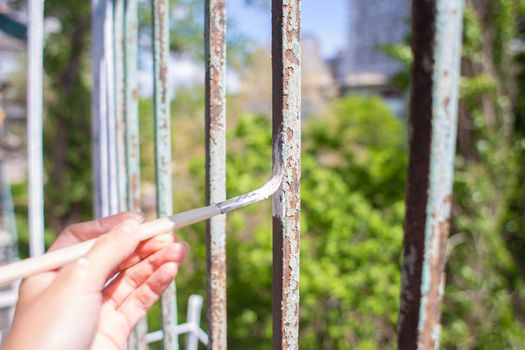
column 483, row 301
column 67, row 146
column 353, row 183
column 351, row 229
column 400, row 52
column 513, row 219
column 483, row 294
column 352, row 208
column 366, row 145
column 351, row 238
column 187, row 31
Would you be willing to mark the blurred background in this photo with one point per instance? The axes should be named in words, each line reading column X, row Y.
column 356, row 61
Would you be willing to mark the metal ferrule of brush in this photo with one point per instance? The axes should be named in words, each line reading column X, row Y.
column 267, row 189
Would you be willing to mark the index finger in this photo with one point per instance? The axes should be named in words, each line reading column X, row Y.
column 87, row 230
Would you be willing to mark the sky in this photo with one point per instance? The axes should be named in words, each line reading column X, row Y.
column 324, row 19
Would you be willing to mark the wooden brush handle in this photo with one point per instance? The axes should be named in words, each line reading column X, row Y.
column 49, row 261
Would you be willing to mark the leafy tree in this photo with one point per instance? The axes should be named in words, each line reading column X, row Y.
column 68, row 102
column 354, row 161
column 488, row 206
column 351, row 239
column 479, row 308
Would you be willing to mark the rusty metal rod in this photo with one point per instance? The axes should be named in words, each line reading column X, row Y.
column 131, row 105
column 215, row 123
column 163, row 165
column 137, row 340
column 58, row 258
column 437, row 34
column 286, row 115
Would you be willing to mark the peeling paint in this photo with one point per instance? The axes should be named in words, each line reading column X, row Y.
column 137, row 340
column 163, row 152
column 286, row 53
column 437, row 28
column 215, row 122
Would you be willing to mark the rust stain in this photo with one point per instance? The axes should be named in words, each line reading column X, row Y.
column 286, row 116
column 423, row 27
column 289, row 134
column 215, row 118
column 433, row 304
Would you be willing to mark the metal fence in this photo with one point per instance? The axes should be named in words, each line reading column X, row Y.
column 437, row 29
column 437, row 34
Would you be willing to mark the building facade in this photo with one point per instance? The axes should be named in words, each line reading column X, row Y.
column 372, row 24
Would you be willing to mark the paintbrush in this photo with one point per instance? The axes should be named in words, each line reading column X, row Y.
column 49, row 261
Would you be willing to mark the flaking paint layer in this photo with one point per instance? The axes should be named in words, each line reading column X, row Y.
column 286, row 202
column 215, row 122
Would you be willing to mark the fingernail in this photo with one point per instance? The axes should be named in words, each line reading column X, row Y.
column 186, row 248
column 139, row 216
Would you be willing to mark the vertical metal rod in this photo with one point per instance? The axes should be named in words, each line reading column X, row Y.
column 99, row 111
column 35, row 72
column 131, row 107
column 193, row 319
column 109, row 52
column 215, row 125
column 120, row 100
column 437, row 33
column 163, row 151
column 8, row 248
column 286, row 67
column 7, row 212
column 137, row 340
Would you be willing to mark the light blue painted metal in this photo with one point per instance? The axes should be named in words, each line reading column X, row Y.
column 131, row 106
column 120, row 100
column 437, row 34
column 8, row 249
column 97, row 54
column 194, row 319
column 35, row 71
column 163, row 151
column 137, row 339
column 8, row 242
column 449, row 20
column 162, row 108
column 13, row 27
column 194, row 334
column 286, row 61
column 109, row 58
column 99, row 111
column 215, row 117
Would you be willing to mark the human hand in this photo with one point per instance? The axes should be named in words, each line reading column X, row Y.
column 71, row 308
